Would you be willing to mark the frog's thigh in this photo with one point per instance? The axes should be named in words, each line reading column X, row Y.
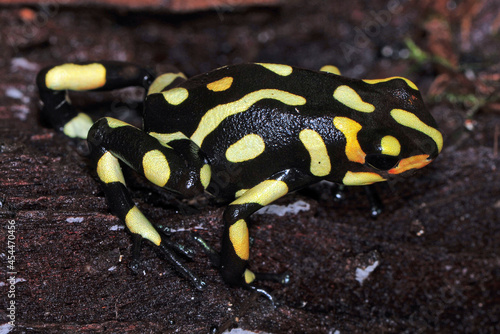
column 156, row 160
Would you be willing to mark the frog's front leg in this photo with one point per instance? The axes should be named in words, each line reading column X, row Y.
column 111, row 141
column 235, row 243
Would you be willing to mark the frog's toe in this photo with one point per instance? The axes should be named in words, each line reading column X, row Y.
column 171, row 252
column 283, row 278
column 264, row 293
column 168, row 250
column 212, row 254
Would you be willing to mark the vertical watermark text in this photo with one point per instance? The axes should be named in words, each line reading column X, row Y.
column 11, row 271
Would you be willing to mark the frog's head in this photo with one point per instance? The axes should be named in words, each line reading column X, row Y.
column 396, row 138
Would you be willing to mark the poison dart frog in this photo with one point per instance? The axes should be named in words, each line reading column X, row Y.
column 248, row 134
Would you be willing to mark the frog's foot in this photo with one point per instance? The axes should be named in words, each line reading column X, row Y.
column 212, row 254
column 283, row 278
column 376, row 206
column 339, row 192
column 172, row 253
column 248, row 277
column 264, row 293
column 215, row 260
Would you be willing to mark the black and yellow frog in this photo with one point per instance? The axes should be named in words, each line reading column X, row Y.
column 248, row 133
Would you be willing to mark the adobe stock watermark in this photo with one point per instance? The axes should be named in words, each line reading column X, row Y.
column 11, row 271
column 371, row 28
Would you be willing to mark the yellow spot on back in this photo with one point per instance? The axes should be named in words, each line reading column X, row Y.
column 76, row 77
column 314, row 144
column 213, row 117
column 390, row 146
column 350, row 130
column 137, row 223
column 163, row 81
column 205, row 175
column 165, row 138
column 108, row 169
column 330, row 69
column 238, row 234
column 410, row 120
column 247, row 148
column 283, row 70
column 156, row 168
column 376, row 81
column 176, row 95
column 361, row 178
column 115, row 123
column 220, row 85
column 79, row 126
column 264, row 193
column 348, row 97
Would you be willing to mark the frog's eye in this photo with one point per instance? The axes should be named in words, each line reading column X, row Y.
column 381, row 161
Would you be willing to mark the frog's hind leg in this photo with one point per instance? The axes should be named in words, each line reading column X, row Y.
column 55, row 81
column 112, row 141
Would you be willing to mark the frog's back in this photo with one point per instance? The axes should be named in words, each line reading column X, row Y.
column 233, row 88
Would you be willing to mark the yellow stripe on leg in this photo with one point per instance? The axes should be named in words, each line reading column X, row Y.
column 156, row 167
column 137, row 223
column 79, row 126
column 264, row 193
column 109, row 170
column 76, row 77
column 238, row 234
column 240, row 193
column 249, row 276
